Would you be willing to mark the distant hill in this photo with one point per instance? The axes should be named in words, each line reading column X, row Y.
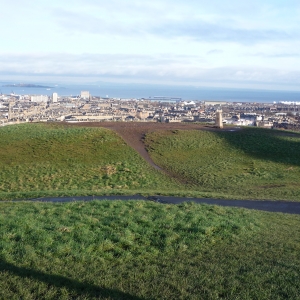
column 25, row 85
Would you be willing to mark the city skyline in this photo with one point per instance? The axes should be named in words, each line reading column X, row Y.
column 216, row 44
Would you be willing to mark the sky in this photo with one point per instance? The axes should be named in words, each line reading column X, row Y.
column 233, row 44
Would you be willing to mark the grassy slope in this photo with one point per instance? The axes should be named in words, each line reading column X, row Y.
column 43, row 159
column 251, row 163
column 144, row 250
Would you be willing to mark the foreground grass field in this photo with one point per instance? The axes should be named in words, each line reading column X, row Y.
column 250, row 163
column 41, row 159
column 144, row 250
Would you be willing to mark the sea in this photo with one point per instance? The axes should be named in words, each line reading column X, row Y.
column 138, row 91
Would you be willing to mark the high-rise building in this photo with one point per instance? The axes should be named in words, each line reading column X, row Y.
column 85, row 94
column 54, row 97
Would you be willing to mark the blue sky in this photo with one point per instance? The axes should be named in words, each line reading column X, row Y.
column 236, row 44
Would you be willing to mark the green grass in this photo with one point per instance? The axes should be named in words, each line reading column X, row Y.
column 41, row 159
column 144, row 250
column 249, row 163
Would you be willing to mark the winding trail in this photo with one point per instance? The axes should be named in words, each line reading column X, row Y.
column 134, row 132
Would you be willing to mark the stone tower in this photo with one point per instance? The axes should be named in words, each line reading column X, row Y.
column 219, row 121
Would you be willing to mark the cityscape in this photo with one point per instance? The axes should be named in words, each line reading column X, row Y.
column 150, row 150
column 88, row 108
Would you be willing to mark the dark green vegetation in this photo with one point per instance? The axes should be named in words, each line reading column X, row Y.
column 249, row 163
column 42, row 159
column 144, row 250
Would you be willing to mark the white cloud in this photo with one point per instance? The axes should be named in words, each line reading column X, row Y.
column 215, row 51
column 216, row 42
column 278, row 55
column 169, row 27
column 151, row 69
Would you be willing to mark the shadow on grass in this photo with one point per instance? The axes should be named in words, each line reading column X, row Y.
column 265, row 144
column 74, row 286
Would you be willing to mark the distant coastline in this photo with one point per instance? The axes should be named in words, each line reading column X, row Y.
column 129, row 91
column 25, row 85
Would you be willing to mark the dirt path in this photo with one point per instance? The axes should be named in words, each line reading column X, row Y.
column 133, row 132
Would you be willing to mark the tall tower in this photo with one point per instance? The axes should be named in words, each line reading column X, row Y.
column 54, row 97
column 219, row 121
column 10, row 113
column 77, row 107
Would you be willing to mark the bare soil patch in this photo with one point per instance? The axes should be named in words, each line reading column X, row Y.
column 133, row 132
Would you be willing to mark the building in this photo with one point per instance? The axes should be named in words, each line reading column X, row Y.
column 85, row 94
column 213, row 103
column 163, row 99
column 39, row 98
column 142, row 114
column 54, row 97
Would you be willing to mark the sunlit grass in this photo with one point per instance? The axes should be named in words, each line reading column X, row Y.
column 43, row 158
column 82, row 250
column 39, row 160
column 252, row 163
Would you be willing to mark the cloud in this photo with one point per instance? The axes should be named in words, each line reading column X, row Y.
column 195, row 28
column 90, row 64
column 86, row 23
column 216, row 32
column 164, row 8
column 151, row 69
column 277, row 55
column 215, row 51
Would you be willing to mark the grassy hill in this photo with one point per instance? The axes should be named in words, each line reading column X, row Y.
column 63, row 160
column 43, row 159
column 144, row 250
column 248, row 163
